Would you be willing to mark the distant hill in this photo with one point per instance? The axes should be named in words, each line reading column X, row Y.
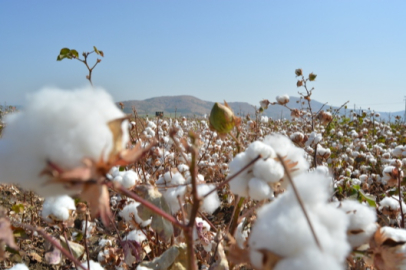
column 191, row 106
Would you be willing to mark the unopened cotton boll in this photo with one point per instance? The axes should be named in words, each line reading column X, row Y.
column 58, row 208
column 62, row 127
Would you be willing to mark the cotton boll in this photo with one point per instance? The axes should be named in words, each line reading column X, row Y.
column 241, row 235
column 211, row 202
column 284, row 147
column 171, row 197
column 259, row 148
column 93, row 265
column 118, row 179
column 136, row 235
column 362, row 222
column 63, row 132
column 58, row 208
column 131, row 209
column 312, row 259
column 259, row 190
column 239, row 185
column 268, row 170
column 130, row 178
column 19, row 266
column 281, row 226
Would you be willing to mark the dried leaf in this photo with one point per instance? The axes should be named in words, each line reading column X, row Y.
column 387, row 253
column 6, row 234
column 166, row 260
column 115, row 127
column 98, row 199
column 53, row 257
column 162, row 226
column 77, row 249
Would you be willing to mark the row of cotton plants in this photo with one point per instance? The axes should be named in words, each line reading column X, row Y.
column 113, row 191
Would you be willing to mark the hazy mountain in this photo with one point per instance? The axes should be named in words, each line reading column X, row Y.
column 191, row 106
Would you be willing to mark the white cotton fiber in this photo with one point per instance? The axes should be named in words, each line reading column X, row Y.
column 259, row 190
column 269, row 170
column 93, row 265
column 19, row 266
column 281, row 226
column 362, row 222
column 57, row 208
column 130, row 178
column 131, row 209
column 311, row 259
column 63, row 127
column 137, row 236
column 259, row 148
column 211, row 202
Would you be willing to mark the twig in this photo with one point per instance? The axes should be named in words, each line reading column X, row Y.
column 299, row 200
column 67, row 243
column 151, row 206
column 85, row 238
column 233, row 176
column 53, row 242
column 402, row 225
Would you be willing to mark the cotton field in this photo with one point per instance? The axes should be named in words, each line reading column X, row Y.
column 85, row 186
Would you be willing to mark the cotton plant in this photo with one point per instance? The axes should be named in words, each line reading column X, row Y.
column 281, row 234
column 260, row 181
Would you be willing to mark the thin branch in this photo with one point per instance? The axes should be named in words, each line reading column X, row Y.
column 233, row 176
column 299, row 199
column 53, row 242
column 151, row 206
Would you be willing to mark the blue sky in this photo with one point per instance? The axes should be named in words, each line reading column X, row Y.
column 215, row 50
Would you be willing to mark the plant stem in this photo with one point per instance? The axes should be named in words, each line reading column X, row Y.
column 236, row 214
column 299, row 199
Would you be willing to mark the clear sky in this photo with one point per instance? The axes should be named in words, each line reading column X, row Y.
column 213, row 49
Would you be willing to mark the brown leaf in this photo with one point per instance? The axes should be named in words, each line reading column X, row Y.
column 387, row 253
column 117, row 131
column 97, row 196
column 53, row 257
column 6, row 234
column 162, row 226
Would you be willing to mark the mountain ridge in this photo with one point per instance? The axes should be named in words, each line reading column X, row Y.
column 188, row 105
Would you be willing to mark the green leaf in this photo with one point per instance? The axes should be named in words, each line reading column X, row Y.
column 356, row 187
column 74, row 53
column 121, row 169
column 19, row 232
column 371, row 200
column 60, row 57
column 64, row 51
column 96, row 50
column 18, row 208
